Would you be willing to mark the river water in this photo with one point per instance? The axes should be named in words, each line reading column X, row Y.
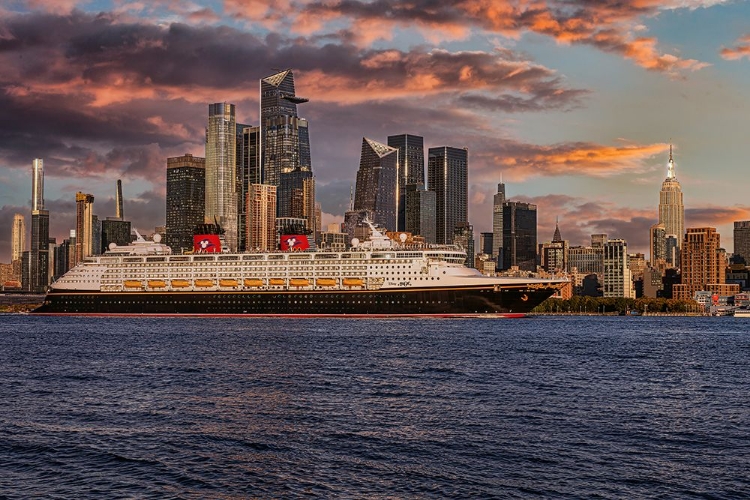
column 563, row 407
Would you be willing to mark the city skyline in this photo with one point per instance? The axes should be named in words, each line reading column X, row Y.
column 572, row 107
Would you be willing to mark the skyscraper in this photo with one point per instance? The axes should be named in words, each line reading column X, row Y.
column 410, row 168
column 119, row 213
column 221, row 170
column 186, row 195
column 377, row 183
column 703, row 262
column 618, row 280
column 285, row 139
column 671, row 209
column 448, row 177
column 249, row 170
column 519, row 235
column 463, row 236
column 261, row 218
column 658, row 245
column 84, row 227
column 554, row 255
column 38, row 276
column 420, row 212
column 18, row 237
column 742, row 241
column 497, row 223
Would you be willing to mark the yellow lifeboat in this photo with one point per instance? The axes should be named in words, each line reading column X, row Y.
column 299, row 282
column 325, row 282
column 352, row 282
column 228, row 282
column 157, row 284
column 254, row 282
column 204, row 283
column 133, row 284
column 277, row 282
column 180, row 283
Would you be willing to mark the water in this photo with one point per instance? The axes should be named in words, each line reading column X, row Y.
column 543, row 407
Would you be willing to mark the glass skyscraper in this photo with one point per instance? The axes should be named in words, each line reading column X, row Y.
column 448, row 177
column 186, row 200
column 377, row 183
column 671, row 209
column 519, row 235
column 221, row 170
column 410, row 169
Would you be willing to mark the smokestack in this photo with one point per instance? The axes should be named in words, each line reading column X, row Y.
column 118, row 201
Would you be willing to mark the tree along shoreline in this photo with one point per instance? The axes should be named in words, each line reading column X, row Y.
column 618, row 305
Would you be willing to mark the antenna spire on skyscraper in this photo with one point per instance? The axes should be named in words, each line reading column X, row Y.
column 670, row 169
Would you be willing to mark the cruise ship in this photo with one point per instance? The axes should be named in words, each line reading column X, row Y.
column 374, row 278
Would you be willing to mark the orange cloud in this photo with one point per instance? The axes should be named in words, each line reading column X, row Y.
column 740, row 50
column 518, row 162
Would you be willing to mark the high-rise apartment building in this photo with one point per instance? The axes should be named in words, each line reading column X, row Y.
column 84, row 242
column 119, row 212
column 497, row 223
column 618, row 280
column 115, row 229
column 742, row 241
column 221, row 170
column 186, row 200
column 671, row 208
column 37, row 278
column 261, row 218
column 519, row 235
column 703, row 262
column 448, row 177
column 298, row 189
column 377, row 183
column 18, row 237
column 410, row 169
column 657, row 245
column 420, row 212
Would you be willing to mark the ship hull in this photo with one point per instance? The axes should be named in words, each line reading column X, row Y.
column 459, row 301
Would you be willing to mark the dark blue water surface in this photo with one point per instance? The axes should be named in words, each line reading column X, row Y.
column 267, row 408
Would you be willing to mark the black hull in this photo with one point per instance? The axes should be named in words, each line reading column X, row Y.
column 422, row 302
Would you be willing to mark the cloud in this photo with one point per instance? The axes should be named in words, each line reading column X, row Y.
column 740, row 50
column 713, row 216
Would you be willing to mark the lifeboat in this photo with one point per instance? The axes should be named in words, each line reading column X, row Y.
column 254, row 282
column 228, row 282
column 133, row 284
column 180, row 283
column 299, row 282
column 325, row 282
column 204, row 283
column 157, row 284
column 277, row 282
column 352, row 282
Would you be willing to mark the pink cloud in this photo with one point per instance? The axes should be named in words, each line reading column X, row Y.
column 740, row 50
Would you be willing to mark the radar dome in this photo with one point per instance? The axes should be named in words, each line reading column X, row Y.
column 402, row 237
column 157, row 238
column 112, row 245
column 355, row 242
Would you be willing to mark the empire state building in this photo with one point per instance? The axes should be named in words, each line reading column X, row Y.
column 671, row 209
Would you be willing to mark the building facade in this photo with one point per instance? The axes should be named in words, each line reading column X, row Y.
column 18, row 244
column 250, row 172
column 497, row 223
column 618, row 280
column 377, row 182
column 410, row 168
column 448, row 177
column 703, row 262
column 463, row 236
column 519, row 235
column 186, row 200
column 261, row 218
column 420, row 212
column 221, row 170
column 742, row 242
column 84, row 241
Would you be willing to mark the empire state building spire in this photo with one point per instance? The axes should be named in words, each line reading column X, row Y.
column 670, row 169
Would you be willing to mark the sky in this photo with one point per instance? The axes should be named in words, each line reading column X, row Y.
column 571, row 103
